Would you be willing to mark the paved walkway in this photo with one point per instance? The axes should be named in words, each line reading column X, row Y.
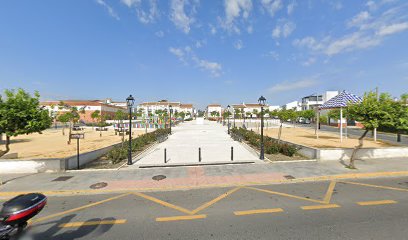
column 182, row 146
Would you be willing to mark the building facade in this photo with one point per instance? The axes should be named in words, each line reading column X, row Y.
column 85, row 108
column 316, row 100
column 152, row 108
column 213, row 108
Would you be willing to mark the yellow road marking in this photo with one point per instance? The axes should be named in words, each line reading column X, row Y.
column 315, row 207
column 166, row 204
column 258, row 211
column 77, row 209
column 329, row 192
column 178, row 218
column 207, row 204
column 92, row 223
column 377, row 186
column 370, row 203
column 298, row 180
column 286, row 195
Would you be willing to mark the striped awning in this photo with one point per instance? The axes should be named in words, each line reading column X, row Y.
column 341, row 100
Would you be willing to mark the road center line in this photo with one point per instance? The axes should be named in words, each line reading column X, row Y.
column 258, row 211
column 92, row 223
column 381, row 202
column 179, row 218
column 316, row 207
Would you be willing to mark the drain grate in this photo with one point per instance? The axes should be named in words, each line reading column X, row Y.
column 290, row 177
column 98, row 185
column 158, row 177
column 62, row 178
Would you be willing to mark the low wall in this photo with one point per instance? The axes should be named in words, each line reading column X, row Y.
column 50, row 164
column 336, row 154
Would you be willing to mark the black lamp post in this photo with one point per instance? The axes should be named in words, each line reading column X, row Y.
column 171, row 110
column 130, row 101
column 228, row 109
column 262, row 101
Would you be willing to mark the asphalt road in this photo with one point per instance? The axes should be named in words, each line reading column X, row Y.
column 320, row 210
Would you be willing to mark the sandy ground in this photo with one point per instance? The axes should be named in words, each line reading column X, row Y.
column 52, row 144
column 307, row 137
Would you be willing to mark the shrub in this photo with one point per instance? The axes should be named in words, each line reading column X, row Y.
column 117, row 154
column 288, row 150
column 188, row 119
column 271, row 147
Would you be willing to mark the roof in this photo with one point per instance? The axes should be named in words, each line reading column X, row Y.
column 186, row 105
column 238, row 105
column 79, row 103
column 160, row 103
column 214, row 105
column 341, row 100
column 252, row 104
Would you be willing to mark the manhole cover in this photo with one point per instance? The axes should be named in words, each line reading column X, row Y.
column 158, row 177
column 62, row 178
column 289, row 177
column 98, row 185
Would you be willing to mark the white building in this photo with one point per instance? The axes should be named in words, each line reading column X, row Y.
column 315, row 100
column 295, row 105
column 213, row 108
column 151, row 108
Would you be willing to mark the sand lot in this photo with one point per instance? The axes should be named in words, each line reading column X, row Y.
column 52, row 144
column 307, row 137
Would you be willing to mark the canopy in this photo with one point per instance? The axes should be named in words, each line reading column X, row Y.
column 340, row 101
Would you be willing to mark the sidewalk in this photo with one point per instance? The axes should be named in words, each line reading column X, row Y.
column 197, row 177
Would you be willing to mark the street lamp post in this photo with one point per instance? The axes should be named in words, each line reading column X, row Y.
column 228, row 109
column 171, row 110
column 262, row 101
column 130, row 101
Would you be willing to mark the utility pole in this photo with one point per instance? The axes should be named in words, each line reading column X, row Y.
column 375, row 129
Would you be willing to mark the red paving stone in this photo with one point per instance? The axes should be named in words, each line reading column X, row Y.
column 196, row 178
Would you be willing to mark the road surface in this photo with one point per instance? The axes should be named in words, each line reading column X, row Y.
column 352, row 209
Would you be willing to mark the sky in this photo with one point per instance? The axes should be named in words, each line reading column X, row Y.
column 203, row 51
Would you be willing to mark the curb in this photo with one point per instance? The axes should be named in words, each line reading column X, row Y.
column 244, row 184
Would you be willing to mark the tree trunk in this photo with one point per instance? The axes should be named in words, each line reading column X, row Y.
column 353, row 155
column 280, row 132
column 63, row 130
column 399, row 137
column 100, row 129
column 2, row 153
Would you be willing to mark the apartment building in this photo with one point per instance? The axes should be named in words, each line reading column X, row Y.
column 150, row 108
column 85, row 108
column 213, row 108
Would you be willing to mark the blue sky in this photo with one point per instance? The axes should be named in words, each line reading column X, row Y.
column 202, row 52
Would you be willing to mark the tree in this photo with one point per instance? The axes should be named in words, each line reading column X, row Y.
column 95, row 115
column 214, row 113
column 255, row 112
column 226, row 114
column 370, row 112
column 308, row 114
column 64, row 118
column 20, row 113
column 237, row 112
column 284, row 116
column 399, row 121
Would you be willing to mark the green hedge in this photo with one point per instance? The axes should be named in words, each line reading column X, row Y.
column 119, row 153
column 271, row 146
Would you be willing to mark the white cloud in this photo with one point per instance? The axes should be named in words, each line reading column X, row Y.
column 272, row 6
column 359, row 19
column 250, row 29
column 213, row 30
column 283, row 29
column 178, row 15
column 274, row 55
column 214, row 67
column 146, row 10
column 187, row 56
column 291, row 6
column 238, row 44
column 233, row 10
column 371, row 32
column 200, row 43
column 289, row 86
column 111, row 12
column 392, row 29
column 159, row 34
column 309, row 61
column 337, row 5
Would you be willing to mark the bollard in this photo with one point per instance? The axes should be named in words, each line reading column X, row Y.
column 165, row 155
column 199, row 154
column 232, row 153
